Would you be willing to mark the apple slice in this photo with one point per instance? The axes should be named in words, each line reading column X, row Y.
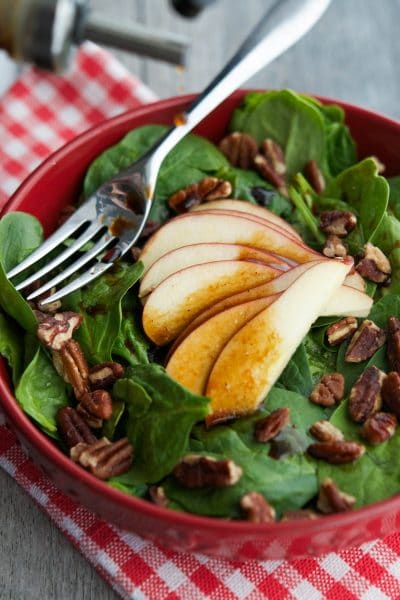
column 182, row 295
column 355, row 280
column 255, row 356
column 277, row 285
column 196, row 254
column 251, row 209
column 348, row 302
column 200, row 228
column 193, row 359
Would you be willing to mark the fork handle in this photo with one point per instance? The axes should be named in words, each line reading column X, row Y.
column 281, row 27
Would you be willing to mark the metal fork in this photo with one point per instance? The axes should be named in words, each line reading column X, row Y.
column 116, row 213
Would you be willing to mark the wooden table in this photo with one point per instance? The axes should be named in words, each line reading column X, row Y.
column 352, row 54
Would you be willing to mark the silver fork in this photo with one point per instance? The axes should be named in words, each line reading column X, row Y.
column 116, row 213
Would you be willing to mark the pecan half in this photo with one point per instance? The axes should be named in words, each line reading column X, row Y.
column 391, row 393
column 296, row 515
column 135, row 253
column 256, row 509
column 314, row 176
column 158, row 496
column 274, row 155
column 104, row 375
column 262, row 165
column 365, row 342
column 334, row 247
column 341, row 330
column 98, row 403
column 90, row 420
column 379, row 427
column 332, row 500
column 329, row 390
column 55, row 330
column 195, row 471
column 324, row 431
column 104, row 459
column 337, row 222
column 150, row 228
column 374, row 266
column 239, row 148
column 393, row 343
column 71, row 364
column 336, row 453
column 206, row 190
column 365, row 395
column 72, row 427
column 267, row 428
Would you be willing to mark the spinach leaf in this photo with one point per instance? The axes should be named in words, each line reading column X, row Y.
column 303, row 413
column 130, row 343
column 367, row 194
column 191, row 160
column 126, row 483
column 10, row 346
column 387, row 236
column 41, row 392
column 20, row 234
column 161, row 414
column 287, row 483
column 296, row 376
column 394, row 287
column 110, row 426
column 394, row 198
column 100, row 305
column 320, row 359
column 375, row 475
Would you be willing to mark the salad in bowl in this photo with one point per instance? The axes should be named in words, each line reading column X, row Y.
column 243, row 363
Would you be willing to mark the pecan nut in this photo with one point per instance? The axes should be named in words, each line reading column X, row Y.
column 206, row 190
column 90, row 420
column 267, row 428
column 104, row 459
column 365, row 342
column 329, row 390
column 332, row 500
column 365, row 395
column 336, row 453
column 314, row 176
column 393, row 343
column 135, row 253
column 324, row 431
column 297, row 515
column 150, row 228
column 72, row 427
column 158, row 496
column 391, row 393
column 104, row 375
column 334, row 247
column 71, row 364
column 337, row 222
column 196, row 471
column 97, row 403
column 239, row 148
column 379, row 427
column 341, row 330
column 54, row 331
column 274, row 155
column 256, row 509
column 374, row 266
column 266, row 171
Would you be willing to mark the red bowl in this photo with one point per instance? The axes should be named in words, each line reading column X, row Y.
column 57, row 182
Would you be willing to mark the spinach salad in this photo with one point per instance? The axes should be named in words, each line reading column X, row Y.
column 163, row 421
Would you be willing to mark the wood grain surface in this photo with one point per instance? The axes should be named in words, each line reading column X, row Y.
column 352, row 54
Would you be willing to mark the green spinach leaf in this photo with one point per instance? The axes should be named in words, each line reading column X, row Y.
column 130, row 343
column 296, row 376
column 11, row 347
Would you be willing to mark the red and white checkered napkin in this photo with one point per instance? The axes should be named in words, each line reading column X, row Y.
column 38, row 114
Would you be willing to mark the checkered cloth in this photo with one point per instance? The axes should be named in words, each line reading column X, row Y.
column 37, row 115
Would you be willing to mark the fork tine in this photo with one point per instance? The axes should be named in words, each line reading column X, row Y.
column 86, row 236
column 100, row 245
column 76, row 220
column 86, row 277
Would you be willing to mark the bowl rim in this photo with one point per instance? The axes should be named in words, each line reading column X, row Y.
column 49, row 448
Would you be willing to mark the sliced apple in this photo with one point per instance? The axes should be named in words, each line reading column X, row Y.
column 200, row 228
column 196, row 254
column 348, row 302
column 355, row 280
column 255, row 356
column 183, row 295
column 251, row 209
column 193, row 359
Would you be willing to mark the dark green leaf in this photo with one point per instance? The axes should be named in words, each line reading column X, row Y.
column 130, row 343
column 10, row 345
column 297, row 375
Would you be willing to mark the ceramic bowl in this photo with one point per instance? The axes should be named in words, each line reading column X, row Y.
column 58, row 182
